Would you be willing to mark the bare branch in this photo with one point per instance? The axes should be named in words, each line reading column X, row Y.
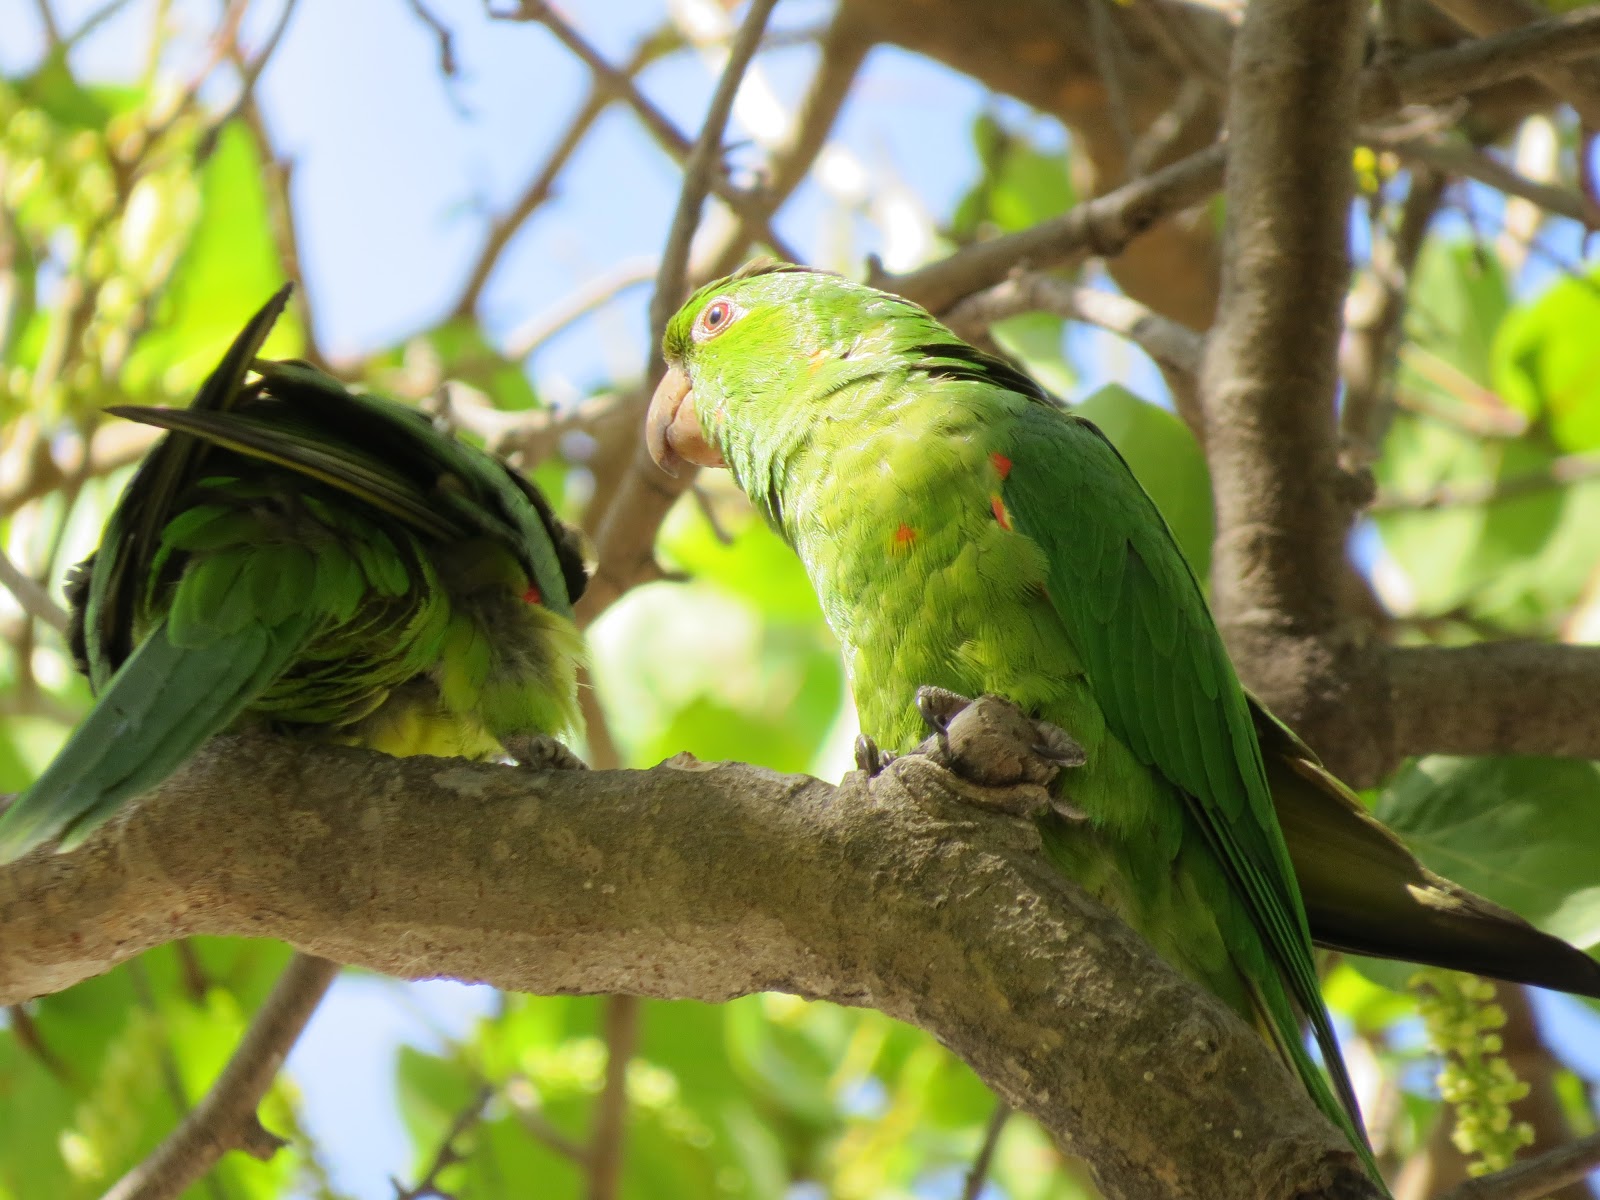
column 704, row 882
column 611, row 1114
column 972, row 1188
column 1442, row 75
column 1578, row 85
column 597, row 293
column 441, row 33
column 35, row 601
column 446, row 1155
column 844, row 48
column 226, row 1119
column 1283, row 504
column 626, row 539
column 1458, row 158
column 1375, row 322
column 699, row 169
column 1534, row 1177
column 1099, row 227
column 661, row 129
column 542, row 185
column 1166, row 341
column 1495, row 698
column 1558, row 472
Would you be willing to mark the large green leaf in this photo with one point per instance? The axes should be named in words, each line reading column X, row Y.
column 228, row 269
column 1521, row 831
column 1546, row 362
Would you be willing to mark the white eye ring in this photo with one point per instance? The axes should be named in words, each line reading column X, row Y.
column 714, row 318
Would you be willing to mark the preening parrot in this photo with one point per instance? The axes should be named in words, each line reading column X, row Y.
column 324, row 563
column 962, row 530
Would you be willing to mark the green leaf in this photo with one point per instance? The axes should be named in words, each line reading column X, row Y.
column 228, row 269
column 1166, row 459
column 1545, row 361
column 1459, row 297
column 1511, row 829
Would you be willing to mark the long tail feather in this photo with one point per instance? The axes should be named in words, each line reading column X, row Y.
column 158, row 709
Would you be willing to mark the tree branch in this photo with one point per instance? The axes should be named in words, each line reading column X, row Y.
column 1167, row 342
column 910, row 893
column 1534, row 1177
column 1283, row 504
column 1578, row 85
column 627, row 533
column 1494, row 698
column 226, row 1119
column 1102, row 226
column 1442, row 75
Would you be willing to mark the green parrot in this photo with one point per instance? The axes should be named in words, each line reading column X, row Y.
column 323, row 563
column 963, row 531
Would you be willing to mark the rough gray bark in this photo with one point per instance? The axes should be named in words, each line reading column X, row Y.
column 915, row 893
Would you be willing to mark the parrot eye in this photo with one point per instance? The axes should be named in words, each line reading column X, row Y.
column 714, row 318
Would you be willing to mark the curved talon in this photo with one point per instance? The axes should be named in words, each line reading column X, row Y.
column 939, row 706
column 870, row 758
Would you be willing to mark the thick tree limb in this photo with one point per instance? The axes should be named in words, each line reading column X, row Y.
column 1495, row 698
column 708, row 882
column 1283, row 503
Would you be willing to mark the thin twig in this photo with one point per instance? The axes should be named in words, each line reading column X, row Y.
column 35, row 601
column 542, row 184
column 698, row 173
column 1558, row 472
column 1164, row 340
column 597, row 293
column 979, row 1173
column 226, row 1118
column 1533, row 1177
column 441, row 31
column 844, row 48
column 1102, row 226
column 1375, row 311
column 249, row 75
column 656, row 123
column 52, row 28
column 627, row 532
column 1458, row 158
column 522, row 1096
column 446, row 1155
column 610, row 1122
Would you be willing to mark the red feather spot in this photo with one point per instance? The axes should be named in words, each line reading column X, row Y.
column 905, row 535
column 999, row 510
column 532, row 595
column 1001, row 463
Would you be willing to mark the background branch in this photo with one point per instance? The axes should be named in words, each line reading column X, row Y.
column 226, row 1118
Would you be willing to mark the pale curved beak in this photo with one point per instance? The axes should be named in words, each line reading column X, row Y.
column 672, row 427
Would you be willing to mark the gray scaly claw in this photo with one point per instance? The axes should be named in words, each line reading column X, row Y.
column 870, row 758
column 540, row 752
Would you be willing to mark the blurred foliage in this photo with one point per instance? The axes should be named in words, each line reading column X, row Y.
column 137, row 231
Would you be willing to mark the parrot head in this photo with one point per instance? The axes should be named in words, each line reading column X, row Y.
column 752, row 359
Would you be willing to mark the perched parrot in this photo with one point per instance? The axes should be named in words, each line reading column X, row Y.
column 322, row 563
column 964, row 531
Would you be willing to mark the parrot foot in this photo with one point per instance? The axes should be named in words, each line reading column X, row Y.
column 991, row 742
column 540, row 752
column 871, row 759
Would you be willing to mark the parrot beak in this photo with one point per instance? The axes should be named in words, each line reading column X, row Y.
column 672, row 427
